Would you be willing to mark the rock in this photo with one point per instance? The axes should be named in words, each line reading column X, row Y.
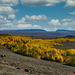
column 18, row 68
column 1, row 55
column 26, row 70
column 32, row 70
column 4, row 55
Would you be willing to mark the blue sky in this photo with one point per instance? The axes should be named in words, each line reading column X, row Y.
column 49, row 15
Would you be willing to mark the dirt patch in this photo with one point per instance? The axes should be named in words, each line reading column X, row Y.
column 15, row 64
column 67, row 44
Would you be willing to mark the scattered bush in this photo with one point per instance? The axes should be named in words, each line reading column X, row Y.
column 40, row 48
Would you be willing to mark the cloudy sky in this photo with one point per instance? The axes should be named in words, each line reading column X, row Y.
column 49, row 15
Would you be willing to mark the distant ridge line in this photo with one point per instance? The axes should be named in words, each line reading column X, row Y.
column 26, row 30
column 66, row 30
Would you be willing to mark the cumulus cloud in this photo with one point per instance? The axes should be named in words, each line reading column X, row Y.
column 70, row 3
column 66, row 19
column 6, row 6
column 67, row 23
column 40, row 2
column 25, row 23
column 36, row 17
column 72, row 13
column 1, row 17
column 28, row 26
column 4, row 21
column 11, row 17
column 8, row 24
column 8, row 2
column 21, row 21
column 37, row 26
column 7, row 10
column 24, row 26
column 54, row 22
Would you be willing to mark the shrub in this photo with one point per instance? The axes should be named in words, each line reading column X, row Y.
column 40, row 48
column 71, row 60
column 59, row 58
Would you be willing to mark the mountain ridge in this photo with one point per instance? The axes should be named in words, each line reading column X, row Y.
column 62, row 30
column 26, row 30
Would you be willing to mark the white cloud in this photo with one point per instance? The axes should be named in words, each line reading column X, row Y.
column 7, row 10
column 54, row 22
column 47, row 29
column 24, row 26
column 72, row 13
column 67, row 23
column 8, row 24
column 11, row 17
column 41, row 2
column 70, row 3
column 1, row 17
column 21, row 21
column 66, row 19
column 8, row 2
column 36, row 17
column 28, row 26
column 25, row 22
column 37, row 26
column 72, row 23
column 4, row 21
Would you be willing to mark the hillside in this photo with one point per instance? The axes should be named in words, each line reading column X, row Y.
column 15, row 64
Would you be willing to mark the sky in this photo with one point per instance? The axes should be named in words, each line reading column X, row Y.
column 49, row 15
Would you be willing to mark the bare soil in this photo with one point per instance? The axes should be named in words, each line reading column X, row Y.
column 15, row 64
column 67, row 45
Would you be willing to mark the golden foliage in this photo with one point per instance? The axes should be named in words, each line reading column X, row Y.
column 39, row 48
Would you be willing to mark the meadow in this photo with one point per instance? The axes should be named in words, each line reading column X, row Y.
column 40, row 48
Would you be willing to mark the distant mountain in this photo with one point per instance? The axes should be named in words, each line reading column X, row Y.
column 25, row 30
column 65, row 30
column 38, row 32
